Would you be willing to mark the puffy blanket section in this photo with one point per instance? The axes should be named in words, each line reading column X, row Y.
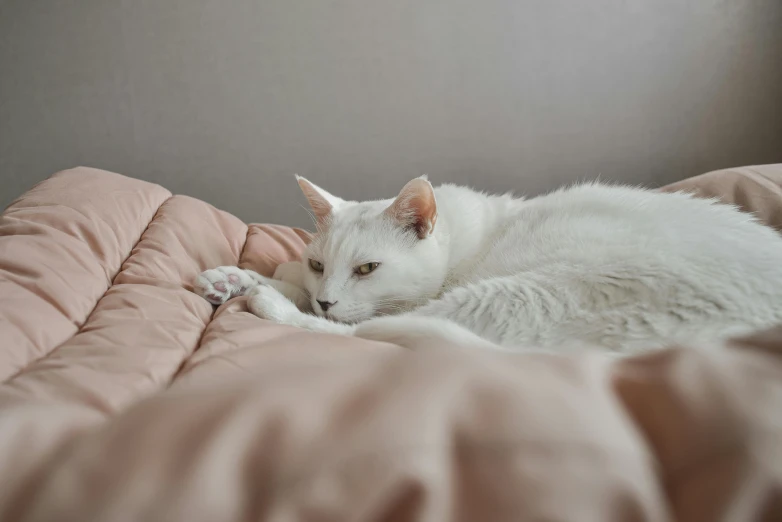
column 97, row 310
column 125, row 396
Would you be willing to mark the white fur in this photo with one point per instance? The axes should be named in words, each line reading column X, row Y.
column 623, row 268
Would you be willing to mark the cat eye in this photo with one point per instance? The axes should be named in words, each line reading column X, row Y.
column 366, row 268
column 316, row 266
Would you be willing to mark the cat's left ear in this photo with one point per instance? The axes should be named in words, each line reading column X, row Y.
column 322, row 203
column 415, row 207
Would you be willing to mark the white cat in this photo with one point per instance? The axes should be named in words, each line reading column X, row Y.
column 623, row 268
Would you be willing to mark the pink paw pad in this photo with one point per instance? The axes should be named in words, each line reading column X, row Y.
column 233, row 278
column 220, row 287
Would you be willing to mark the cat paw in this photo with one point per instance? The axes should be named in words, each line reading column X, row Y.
column 220, row 284
column 421, row 333
column 268, row 303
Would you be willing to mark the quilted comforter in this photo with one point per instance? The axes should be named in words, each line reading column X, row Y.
column 126, row 397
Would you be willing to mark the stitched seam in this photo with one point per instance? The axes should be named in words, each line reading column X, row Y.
column 178, row 371
column 89, row 316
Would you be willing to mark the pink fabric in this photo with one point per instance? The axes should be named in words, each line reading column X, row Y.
column 127, row 397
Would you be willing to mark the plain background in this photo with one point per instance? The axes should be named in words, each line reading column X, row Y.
column 225, row 100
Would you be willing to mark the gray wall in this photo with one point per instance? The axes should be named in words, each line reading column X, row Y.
column 225, row 100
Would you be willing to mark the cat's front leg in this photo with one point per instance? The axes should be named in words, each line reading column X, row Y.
column 419, row 333
column 289, row 280
column 218, row 285
column 268, row 303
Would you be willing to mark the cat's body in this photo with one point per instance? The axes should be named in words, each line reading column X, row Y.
column 621, row 268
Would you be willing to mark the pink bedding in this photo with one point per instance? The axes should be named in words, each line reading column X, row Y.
column 127, row 397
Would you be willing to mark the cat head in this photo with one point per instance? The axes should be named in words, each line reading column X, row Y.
column 373, row 257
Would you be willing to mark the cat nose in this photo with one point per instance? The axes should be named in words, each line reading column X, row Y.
column 325, row 305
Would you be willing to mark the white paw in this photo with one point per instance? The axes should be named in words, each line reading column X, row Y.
column 268, row 303
column 413, row 333
column 218, row 285
column 421, row 333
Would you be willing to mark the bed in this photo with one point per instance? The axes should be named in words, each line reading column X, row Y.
column 125, row 396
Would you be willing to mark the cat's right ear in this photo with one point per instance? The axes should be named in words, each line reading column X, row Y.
column 415, row 207
column 322, row 203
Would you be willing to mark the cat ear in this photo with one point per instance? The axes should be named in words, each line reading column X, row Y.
column 415, row 207
column 322, row 203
